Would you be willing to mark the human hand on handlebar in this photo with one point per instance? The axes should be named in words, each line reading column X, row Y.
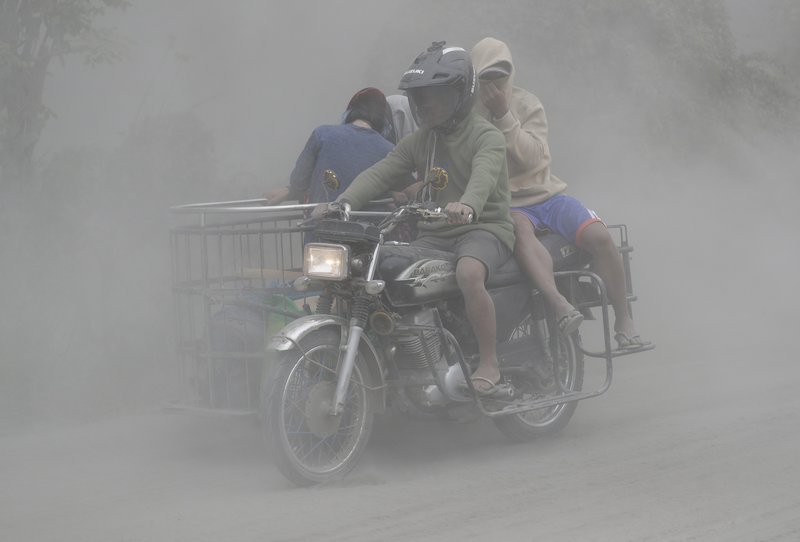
column 458, row 213
column 319, row 211
column 326, row 209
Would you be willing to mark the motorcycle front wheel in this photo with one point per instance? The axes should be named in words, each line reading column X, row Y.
column 307, row 443
column 568, row 370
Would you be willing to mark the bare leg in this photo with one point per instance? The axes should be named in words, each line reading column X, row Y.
column 471, row 276
column 536, row 262
column 607, row 263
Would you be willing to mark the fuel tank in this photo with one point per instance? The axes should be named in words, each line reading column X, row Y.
column 416, row 275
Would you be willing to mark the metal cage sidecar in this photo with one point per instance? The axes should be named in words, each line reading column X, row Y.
column 232, row 268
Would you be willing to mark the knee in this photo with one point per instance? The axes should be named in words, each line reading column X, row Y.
column 520, row 220
column 470, row 274
column 523, row 230
column 597, row 240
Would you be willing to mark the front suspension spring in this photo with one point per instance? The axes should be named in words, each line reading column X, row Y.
column 361, row 311
column 325, row 303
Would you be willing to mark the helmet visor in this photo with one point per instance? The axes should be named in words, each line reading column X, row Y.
column 433, row 106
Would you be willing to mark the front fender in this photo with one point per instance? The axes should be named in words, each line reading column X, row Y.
column 299, row 328
column 295, row 330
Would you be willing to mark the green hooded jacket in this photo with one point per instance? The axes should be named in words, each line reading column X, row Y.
column 474, row 159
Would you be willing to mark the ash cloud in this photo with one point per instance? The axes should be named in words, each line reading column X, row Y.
column 677, row 121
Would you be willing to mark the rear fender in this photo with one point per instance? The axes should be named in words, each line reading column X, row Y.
column 294, row 331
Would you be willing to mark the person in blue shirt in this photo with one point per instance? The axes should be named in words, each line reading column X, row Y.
column 335, row 154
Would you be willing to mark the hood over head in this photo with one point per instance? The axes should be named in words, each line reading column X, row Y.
column 492, row 61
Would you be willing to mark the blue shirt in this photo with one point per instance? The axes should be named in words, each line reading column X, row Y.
column 345, row 149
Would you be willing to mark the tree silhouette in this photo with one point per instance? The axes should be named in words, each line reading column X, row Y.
column 32, row 34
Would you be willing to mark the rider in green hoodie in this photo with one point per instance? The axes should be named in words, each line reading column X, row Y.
column 460, row 159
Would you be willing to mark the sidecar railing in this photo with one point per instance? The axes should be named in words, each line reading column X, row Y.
column 232, row 267
column 233, row 264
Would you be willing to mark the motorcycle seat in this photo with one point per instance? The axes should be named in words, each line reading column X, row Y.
column 396, row 260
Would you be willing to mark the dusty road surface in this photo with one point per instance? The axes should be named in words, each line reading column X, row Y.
column 679, row 449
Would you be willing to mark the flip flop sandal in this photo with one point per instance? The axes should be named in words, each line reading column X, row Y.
column 487, row 391
column 570, row 322
column 626, row 342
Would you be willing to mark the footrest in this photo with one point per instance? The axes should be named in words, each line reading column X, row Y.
column 517, row 407
column 618, row 352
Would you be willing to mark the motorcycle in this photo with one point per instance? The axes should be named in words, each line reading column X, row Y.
column 390, row 331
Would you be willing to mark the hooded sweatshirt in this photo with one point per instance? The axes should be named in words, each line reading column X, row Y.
column 524, row 127
column 472, row 156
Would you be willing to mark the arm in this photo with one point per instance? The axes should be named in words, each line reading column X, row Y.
column 487, row 165
column 524, row 127
column 380, row 178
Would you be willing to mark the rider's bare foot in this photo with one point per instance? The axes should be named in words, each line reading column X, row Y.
column 484, row 375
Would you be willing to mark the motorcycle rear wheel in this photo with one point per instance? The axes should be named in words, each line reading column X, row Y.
column 526, row 426
column 308, row 444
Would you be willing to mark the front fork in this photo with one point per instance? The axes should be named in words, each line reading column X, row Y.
column 351, row 351
column 358, row 321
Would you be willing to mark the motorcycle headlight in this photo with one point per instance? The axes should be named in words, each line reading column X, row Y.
column 326, row 261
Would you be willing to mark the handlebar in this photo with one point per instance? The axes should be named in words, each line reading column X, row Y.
column 402, row 214
column 432, row 214
column 438, row 213
column 411, row 211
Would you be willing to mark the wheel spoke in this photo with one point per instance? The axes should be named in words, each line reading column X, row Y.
column 319, row 443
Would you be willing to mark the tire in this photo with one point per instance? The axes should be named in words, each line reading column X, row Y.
column 526, row 426
column 307, row 444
